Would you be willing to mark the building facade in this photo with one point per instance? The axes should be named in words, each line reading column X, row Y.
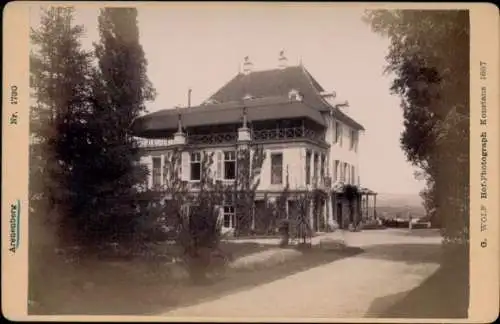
column 309, row 142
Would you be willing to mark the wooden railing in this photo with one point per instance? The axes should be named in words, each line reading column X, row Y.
column 257, row 136
column 154, row 142
column 286, row 133
column 215, row 138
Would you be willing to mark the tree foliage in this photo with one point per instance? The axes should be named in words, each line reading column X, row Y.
column 60, row 113
column 194, row 210
column 429, row 59
column 108, row 186
column 302, row 225
column 59, row 109
column 84, row 168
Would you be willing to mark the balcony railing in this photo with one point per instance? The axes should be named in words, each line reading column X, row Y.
column 286, row 133
column 257, row 136
column 215, row 138
column 154, row 142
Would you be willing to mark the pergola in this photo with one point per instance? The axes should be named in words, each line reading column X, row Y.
column 365, row 201
column 364, row 194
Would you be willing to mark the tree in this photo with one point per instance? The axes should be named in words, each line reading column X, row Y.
column 108, row 185
column 195, row 212
column 59, row 74
column 429, row 58
column 303, row 226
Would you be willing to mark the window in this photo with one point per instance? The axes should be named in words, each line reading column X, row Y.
column 308, row 167
column 345, row 172
column 229, row 218
column 146, row 180
column 230, row 165
column 353, row 174
column 336, row 170
column 156, row 172
column 210, row 101
column 353, row 139
column 348, row 173
column 338, row 133
column 195, row 166
column 316, row 167
column 294, row 95
column 277, row 168
column 322, row 167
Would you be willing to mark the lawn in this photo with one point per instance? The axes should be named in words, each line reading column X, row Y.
column 144, row 287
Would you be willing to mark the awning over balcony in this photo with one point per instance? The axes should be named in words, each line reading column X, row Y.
column 226, row 113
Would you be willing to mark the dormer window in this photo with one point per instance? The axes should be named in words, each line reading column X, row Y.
column 210, row 102
column 294, row 95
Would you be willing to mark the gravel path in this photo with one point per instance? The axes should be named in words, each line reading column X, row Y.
column 344, row 288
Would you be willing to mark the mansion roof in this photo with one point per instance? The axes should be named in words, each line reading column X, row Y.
column 265, row 94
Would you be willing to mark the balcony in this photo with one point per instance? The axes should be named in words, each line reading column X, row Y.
column 286, row 133
column 153, row 142
column 259, row 136
column 215, row 138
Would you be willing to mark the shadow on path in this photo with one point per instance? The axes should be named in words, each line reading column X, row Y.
column 445, row 294
column 141, row 289
column 420, row 232
column 409, row 253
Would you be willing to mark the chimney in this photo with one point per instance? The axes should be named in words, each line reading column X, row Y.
column 344, row 107
column 247, row 66
column 282, row 61
column 189, row 97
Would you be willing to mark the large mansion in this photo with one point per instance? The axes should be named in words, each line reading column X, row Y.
column 309, row 140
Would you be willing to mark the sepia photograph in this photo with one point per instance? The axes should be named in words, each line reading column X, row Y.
column 250, row 161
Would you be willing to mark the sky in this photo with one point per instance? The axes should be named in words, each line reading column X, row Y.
column 202, row 46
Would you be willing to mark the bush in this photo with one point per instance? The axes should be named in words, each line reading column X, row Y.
column 284, row 230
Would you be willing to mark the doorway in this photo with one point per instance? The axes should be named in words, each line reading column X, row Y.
column 339, row 215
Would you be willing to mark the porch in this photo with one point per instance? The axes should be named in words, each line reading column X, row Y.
column 351, row 205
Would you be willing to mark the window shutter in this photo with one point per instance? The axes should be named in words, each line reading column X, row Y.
column 347, row 169
column 149, row 164
column 219, row 165
column 162, row 170
column 186, row 170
